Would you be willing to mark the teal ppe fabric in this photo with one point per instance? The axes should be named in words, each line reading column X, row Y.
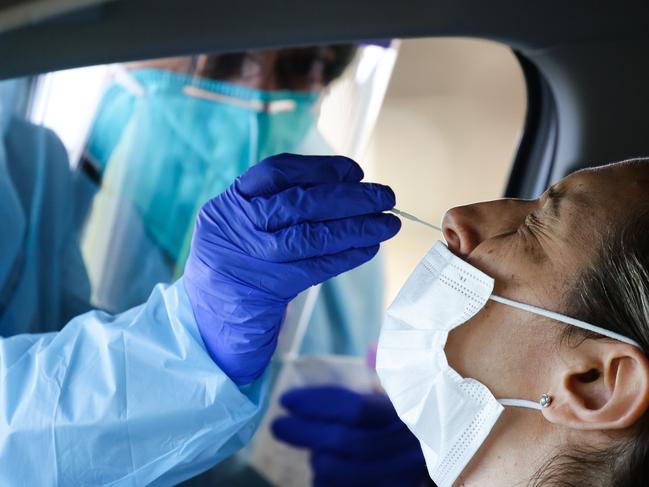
column 132, row 399
column 45, row 282
column 184, row 139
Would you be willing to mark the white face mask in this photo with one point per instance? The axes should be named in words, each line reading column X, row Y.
column 451, row 416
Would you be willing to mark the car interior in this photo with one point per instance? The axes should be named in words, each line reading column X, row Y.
column 569, row 79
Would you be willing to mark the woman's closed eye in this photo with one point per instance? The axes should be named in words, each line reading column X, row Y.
column 549, row 212
column 553, row 199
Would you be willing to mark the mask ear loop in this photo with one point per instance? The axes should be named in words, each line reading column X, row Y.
column 520, row 403
column 564, row 319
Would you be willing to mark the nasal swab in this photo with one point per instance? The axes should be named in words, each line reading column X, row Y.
column 413, row 218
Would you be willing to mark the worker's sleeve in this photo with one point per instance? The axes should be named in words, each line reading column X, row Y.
column 132, row 399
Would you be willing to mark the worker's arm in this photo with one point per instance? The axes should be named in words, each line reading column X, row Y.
column 132, row 399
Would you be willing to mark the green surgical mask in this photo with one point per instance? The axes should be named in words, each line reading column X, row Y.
column 182, row 140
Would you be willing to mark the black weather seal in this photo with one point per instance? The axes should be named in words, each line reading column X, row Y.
column 532, row 165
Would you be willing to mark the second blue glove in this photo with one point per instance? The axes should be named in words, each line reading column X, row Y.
column 355, row 439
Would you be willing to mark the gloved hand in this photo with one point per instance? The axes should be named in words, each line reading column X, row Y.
column 286, row 224
column 355, row 439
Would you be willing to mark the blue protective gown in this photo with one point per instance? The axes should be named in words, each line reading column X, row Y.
column 132, row 399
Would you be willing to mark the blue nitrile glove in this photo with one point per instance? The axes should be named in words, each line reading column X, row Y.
column 355, row 439
column 286, row 224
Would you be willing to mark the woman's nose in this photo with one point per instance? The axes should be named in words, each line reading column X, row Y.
column 459, row 232
column 466, row 227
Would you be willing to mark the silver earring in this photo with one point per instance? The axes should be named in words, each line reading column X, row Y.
column 545, row 400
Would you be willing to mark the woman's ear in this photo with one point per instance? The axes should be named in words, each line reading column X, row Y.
column 603, row 385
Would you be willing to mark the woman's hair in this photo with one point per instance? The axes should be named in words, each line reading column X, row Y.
column 612, row 293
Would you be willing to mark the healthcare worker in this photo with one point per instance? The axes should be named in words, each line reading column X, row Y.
column 167, row 389
column 59, row 266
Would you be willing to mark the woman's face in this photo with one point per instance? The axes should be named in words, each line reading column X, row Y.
column 534, row 249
